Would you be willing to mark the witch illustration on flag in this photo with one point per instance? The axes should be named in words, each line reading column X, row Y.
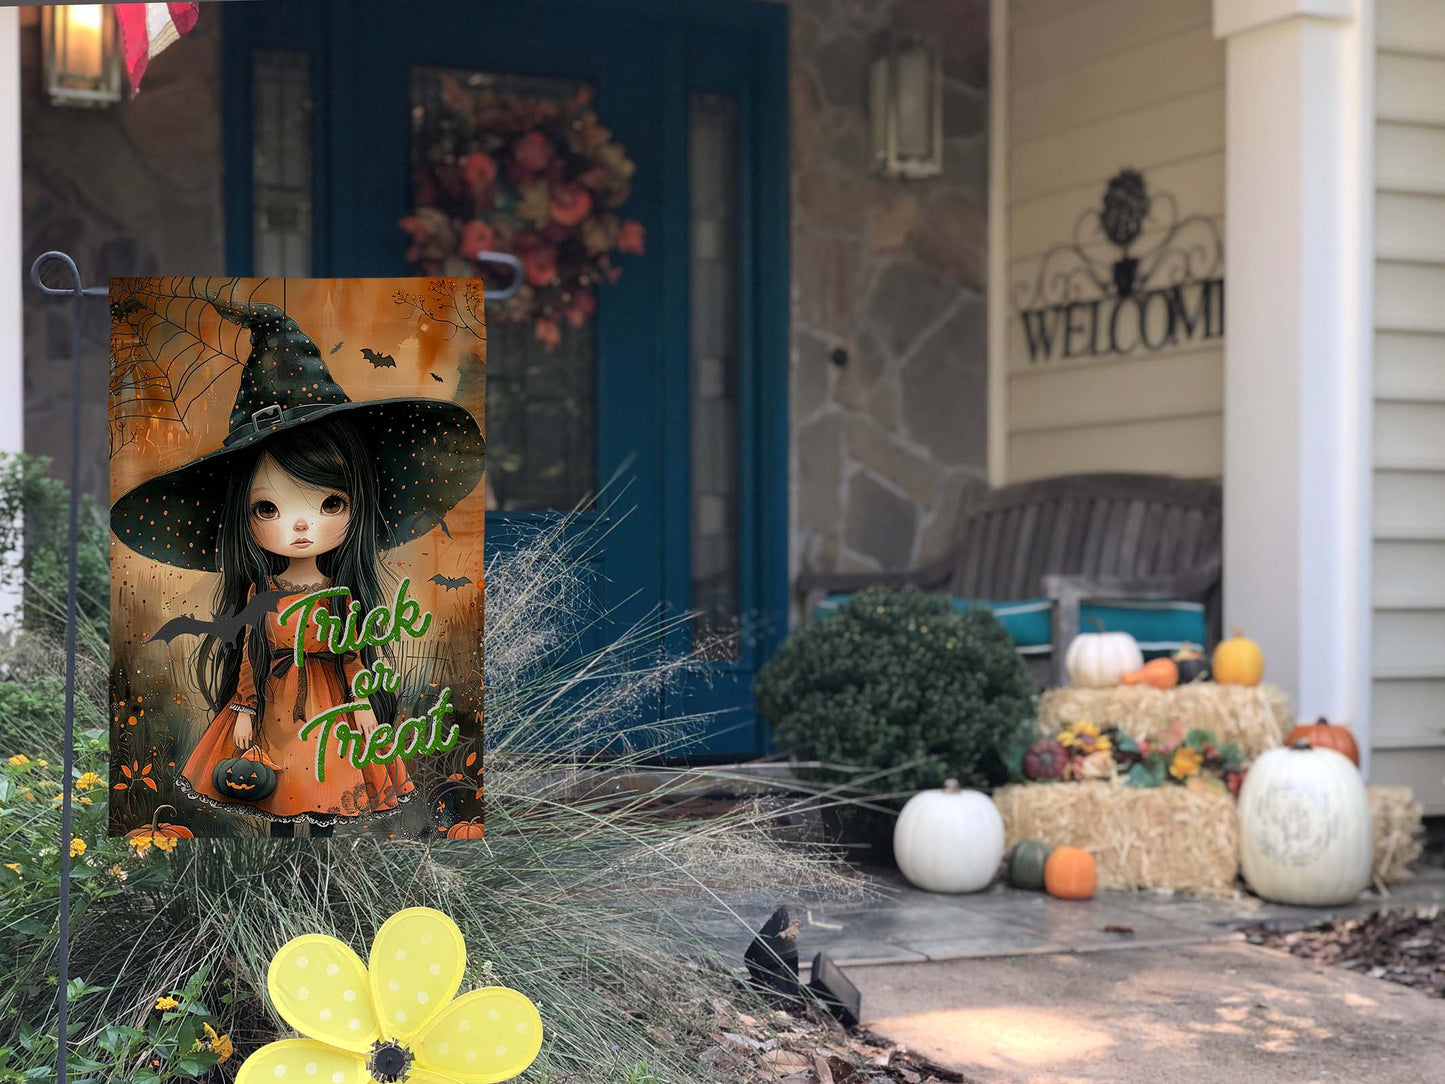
column 304, row 499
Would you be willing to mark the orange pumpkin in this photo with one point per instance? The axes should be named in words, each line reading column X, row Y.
column 1160, row 673
column 1070, row 874
column 1326, row 735
column 472, row 829
column 156, row 828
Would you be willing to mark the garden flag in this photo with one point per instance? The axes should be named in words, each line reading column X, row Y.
column 146, row 29
column 296, row 564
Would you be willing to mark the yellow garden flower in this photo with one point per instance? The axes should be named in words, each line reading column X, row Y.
column 18, row 759
column 395, row 1016
column 165, row 843
column 140, row 844
column 1085, row 737
column 219, row 1045
column 1185, row 763
column 77, row 847
column 86, row 801
column 166, row 1003
column 13, row 867
column 42, row 763
column 88, row 780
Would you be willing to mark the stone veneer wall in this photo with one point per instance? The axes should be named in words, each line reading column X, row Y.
column 129, row 190
column 892, row 273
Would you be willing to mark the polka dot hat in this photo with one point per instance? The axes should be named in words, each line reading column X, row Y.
column 429, row 453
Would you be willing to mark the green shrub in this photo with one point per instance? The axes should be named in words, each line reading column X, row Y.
column 35, row 509
column 898, row 681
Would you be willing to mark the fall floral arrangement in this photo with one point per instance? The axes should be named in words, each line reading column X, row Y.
column 1082, row 750
column 534, row 176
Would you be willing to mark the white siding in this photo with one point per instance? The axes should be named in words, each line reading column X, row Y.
column 1408, row 688
column 1094, row 87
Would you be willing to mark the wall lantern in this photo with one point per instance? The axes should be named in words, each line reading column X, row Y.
column 82, row 55
column 905, row 98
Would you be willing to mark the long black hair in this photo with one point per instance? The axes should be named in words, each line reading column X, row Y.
column 328, row 454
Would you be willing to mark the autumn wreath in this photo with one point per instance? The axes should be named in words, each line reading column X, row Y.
column 538, row 177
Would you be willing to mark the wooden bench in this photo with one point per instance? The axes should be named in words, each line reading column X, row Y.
column 1075, row 537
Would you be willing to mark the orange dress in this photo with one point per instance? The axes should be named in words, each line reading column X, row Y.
column 292, row 698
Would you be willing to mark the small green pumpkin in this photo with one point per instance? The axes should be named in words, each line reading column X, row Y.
column 1026, row 864
column 1192, row 665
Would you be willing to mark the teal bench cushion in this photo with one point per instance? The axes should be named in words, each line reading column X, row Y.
column 1161, row 627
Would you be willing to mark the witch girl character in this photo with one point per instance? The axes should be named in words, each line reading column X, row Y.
column 308, row 492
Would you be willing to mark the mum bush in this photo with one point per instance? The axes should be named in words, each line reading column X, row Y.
column 899, row 682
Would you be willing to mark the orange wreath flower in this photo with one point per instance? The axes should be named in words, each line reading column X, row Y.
column 540, row 178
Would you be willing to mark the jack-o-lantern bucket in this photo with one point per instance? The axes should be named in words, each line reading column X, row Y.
column 250, row 777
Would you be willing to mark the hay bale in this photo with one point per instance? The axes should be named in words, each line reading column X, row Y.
column 1156, row 837
column 1398, row 828
column 1256, row 716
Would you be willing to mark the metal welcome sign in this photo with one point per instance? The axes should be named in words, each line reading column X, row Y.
column 1163, row 289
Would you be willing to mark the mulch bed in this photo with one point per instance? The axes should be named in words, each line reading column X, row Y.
column 1404, row 946
column 808, row 1047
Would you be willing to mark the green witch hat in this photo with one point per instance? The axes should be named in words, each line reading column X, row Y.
column 429, row 453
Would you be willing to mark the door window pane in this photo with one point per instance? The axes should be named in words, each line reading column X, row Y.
column 281, row 163
column 540, row 402
column 713, row 197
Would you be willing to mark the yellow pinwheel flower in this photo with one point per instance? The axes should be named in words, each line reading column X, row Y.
column 395, row 1017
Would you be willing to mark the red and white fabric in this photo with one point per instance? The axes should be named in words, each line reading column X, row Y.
column 146, row 29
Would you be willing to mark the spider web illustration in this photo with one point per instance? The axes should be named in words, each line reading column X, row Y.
column 168, row 346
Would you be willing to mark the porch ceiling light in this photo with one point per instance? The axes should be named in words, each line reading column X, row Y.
column 905, row 99
column 81, row 50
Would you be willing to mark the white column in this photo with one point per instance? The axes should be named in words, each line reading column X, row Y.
column 1297, row 389
column 12, row 253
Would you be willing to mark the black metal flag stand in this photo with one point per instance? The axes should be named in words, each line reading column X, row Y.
column 78, row 292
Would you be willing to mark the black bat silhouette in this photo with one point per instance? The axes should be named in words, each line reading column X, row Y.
column 425, row 520
column 337, row 347
column 226, row 629
column 378, row 361
column 438, row 379
column 451, row 583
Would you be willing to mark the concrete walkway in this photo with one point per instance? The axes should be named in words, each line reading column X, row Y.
column 1020, row 988
column 1196, row 1015
column 905, row 925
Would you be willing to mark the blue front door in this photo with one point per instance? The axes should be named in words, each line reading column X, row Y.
column 676, row 392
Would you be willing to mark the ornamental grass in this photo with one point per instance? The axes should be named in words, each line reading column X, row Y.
column 580, row 895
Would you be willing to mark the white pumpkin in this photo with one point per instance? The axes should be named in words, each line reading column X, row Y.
column 949, row 840
column 1102, row 658
column 1306, row 836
